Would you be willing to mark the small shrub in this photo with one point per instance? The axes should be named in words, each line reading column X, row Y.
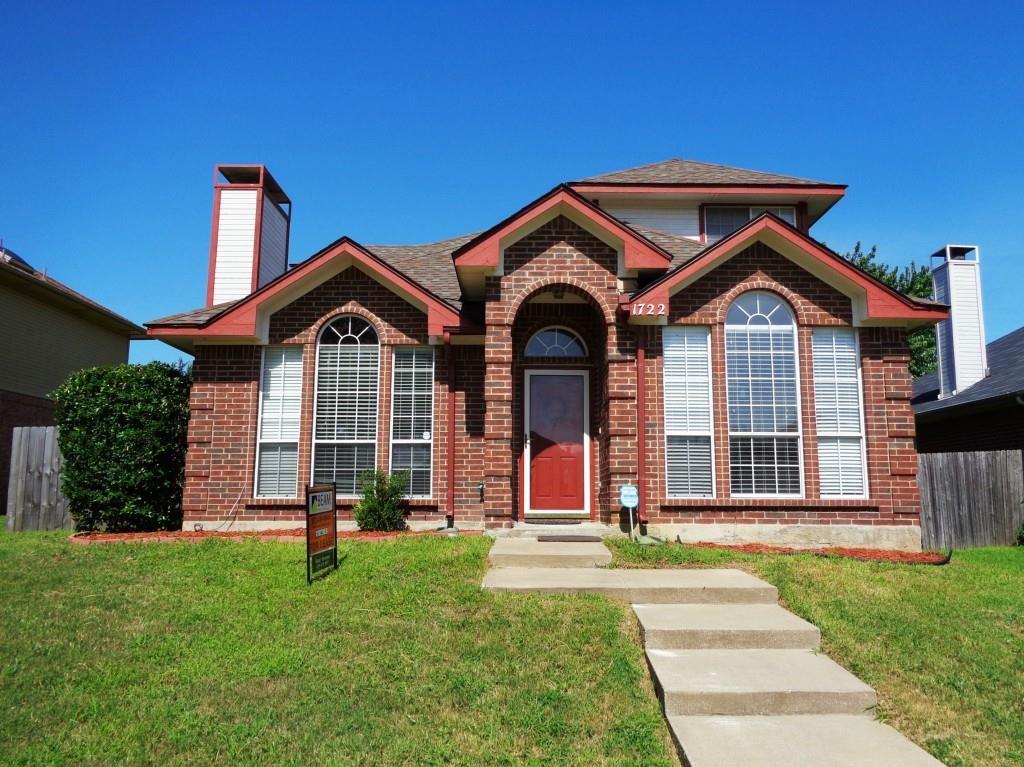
column 123, row 435
column 382, row 505
column 1020, row 535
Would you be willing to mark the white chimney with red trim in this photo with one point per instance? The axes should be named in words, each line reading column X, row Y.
column 251, row 226
column 960, row 340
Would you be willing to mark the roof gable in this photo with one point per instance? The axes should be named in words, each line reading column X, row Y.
column 873, row 302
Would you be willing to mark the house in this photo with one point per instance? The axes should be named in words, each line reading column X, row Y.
column 49, row 331
column 673, row 326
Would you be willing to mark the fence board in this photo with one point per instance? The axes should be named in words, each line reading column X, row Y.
column 971, row 499
column 34, row 499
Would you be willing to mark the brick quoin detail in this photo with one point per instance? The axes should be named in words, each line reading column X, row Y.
column 558, row 261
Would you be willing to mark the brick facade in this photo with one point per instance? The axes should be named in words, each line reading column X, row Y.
column 560, row 274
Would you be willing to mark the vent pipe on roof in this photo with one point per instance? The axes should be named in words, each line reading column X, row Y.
column 251, row 226
column 960, row 340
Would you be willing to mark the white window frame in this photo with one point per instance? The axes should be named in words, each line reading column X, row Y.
column 433, row 401
column 710, row 433
column 316, row 397
column 775, row 435
column 751, row 215
column 259, row 425
column 563, row 329
column 862, row 434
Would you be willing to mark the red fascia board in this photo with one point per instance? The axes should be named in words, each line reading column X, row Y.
column 484, row 249
column 882, row 301
column 824, row 190
column 240, row 319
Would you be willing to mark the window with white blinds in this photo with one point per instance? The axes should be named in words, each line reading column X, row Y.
column 687, row 387
column 277, row 446
column 345, row 423
column 412, row 416
column 838, row 413
column 763, row 391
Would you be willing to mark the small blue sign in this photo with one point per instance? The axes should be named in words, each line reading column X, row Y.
column 629, row 496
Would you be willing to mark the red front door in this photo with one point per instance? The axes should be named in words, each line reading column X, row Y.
column 556, row 442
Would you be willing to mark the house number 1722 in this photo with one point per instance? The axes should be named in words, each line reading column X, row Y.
column 648, row 309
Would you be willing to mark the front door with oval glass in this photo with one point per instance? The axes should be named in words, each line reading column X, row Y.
column 557, row 443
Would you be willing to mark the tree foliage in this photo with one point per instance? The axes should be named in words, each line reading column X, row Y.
column 123, row 435
column 911, row 280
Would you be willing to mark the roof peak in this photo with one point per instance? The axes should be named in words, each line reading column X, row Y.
column 678, row 170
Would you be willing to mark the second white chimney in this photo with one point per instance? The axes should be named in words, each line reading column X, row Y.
column 960, row 340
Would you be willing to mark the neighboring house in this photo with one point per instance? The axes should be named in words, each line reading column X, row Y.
column 48, row 331
column 987, row 415
column 673, row 326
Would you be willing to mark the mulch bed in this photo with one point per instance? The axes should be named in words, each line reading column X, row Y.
column 285, row 534
column 868, row 555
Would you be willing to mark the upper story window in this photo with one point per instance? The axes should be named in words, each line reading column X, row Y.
column 555, row 342
column 722, row 220
column 345, row 423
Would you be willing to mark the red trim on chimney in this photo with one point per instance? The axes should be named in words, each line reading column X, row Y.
column 484, row 249
column 257, row 239
column 641, row 424
column 882, row 301
column 214, row 231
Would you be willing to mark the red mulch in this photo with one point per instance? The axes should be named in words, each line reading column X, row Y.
column 869, row 555
column 284, row 534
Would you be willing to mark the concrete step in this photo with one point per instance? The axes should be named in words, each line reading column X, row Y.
column 755, row 682
column 828, row 740
column 637, row 586
column 536, row 529
column 526, row 552
column 724, row 627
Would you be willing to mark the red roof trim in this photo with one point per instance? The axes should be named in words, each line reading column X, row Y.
column 240, row 320
column 831, row 190
column 882, row 301
column 484, row 249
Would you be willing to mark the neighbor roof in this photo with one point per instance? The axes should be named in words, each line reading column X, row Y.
column 679, row 171
column 42, row 284
column 1005, row 379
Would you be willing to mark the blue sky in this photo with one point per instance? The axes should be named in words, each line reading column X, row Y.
column 412, row 122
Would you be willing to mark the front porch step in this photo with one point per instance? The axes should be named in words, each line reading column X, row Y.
column 829, row 740
column 724, row 627
column 637, row 586
column 692, row 682
column 526, row 552
column 537, row 529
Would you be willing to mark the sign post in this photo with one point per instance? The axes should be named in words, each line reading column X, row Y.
column 321, row 530
column 629, row 496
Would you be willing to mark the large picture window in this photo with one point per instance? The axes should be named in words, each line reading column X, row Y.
column 412, row 416
column 837, row 412
column 345, row 424
column 762, row 384
column 277, row 446
column 687, row 386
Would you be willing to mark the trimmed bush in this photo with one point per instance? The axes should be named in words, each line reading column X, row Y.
column 122, row 433
column 382, row 505
column 1020, row 535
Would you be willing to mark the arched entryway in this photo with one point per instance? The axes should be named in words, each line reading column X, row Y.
column 560, row 404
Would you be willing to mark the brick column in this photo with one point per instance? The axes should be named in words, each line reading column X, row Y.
column 498, row 495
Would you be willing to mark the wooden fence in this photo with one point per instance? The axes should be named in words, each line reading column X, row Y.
column 34, row 500
column 970, row 499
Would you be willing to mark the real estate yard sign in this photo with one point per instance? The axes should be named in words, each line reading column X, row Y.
column 321, row 531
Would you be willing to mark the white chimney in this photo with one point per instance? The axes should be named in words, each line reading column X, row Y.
column 249, row 241
column 960, row 340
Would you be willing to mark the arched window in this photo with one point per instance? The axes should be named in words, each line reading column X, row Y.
column 764, row 410
column 345, row 423
column 556, row 341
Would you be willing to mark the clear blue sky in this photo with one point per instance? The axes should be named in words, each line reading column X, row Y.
column 408, row 123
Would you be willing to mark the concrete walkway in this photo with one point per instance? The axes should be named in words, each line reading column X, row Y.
column 739, row 677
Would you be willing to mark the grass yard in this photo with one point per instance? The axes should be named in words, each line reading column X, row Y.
column 219, row 653
column 943, row 646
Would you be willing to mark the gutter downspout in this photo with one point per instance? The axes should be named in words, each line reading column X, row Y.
column 641, row 424
column 450, row 512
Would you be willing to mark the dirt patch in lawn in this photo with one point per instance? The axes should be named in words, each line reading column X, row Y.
column 869, row 555
column 284, row 534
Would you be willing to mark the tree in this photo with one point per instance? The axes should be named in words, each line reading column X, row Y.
column 911, row 280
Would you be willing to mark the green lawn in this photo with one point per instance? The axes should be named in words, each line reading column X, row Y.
column 943, row 646
column 219, row 653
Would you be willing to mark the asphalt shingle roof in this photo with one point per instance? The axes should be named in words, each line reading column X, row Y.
column 679, row 171
column 1006, row 378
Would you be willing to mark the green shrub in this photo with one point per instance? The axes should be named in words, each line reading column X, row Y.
column 1020, row 535
column 382, row 505
column 122, row 433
